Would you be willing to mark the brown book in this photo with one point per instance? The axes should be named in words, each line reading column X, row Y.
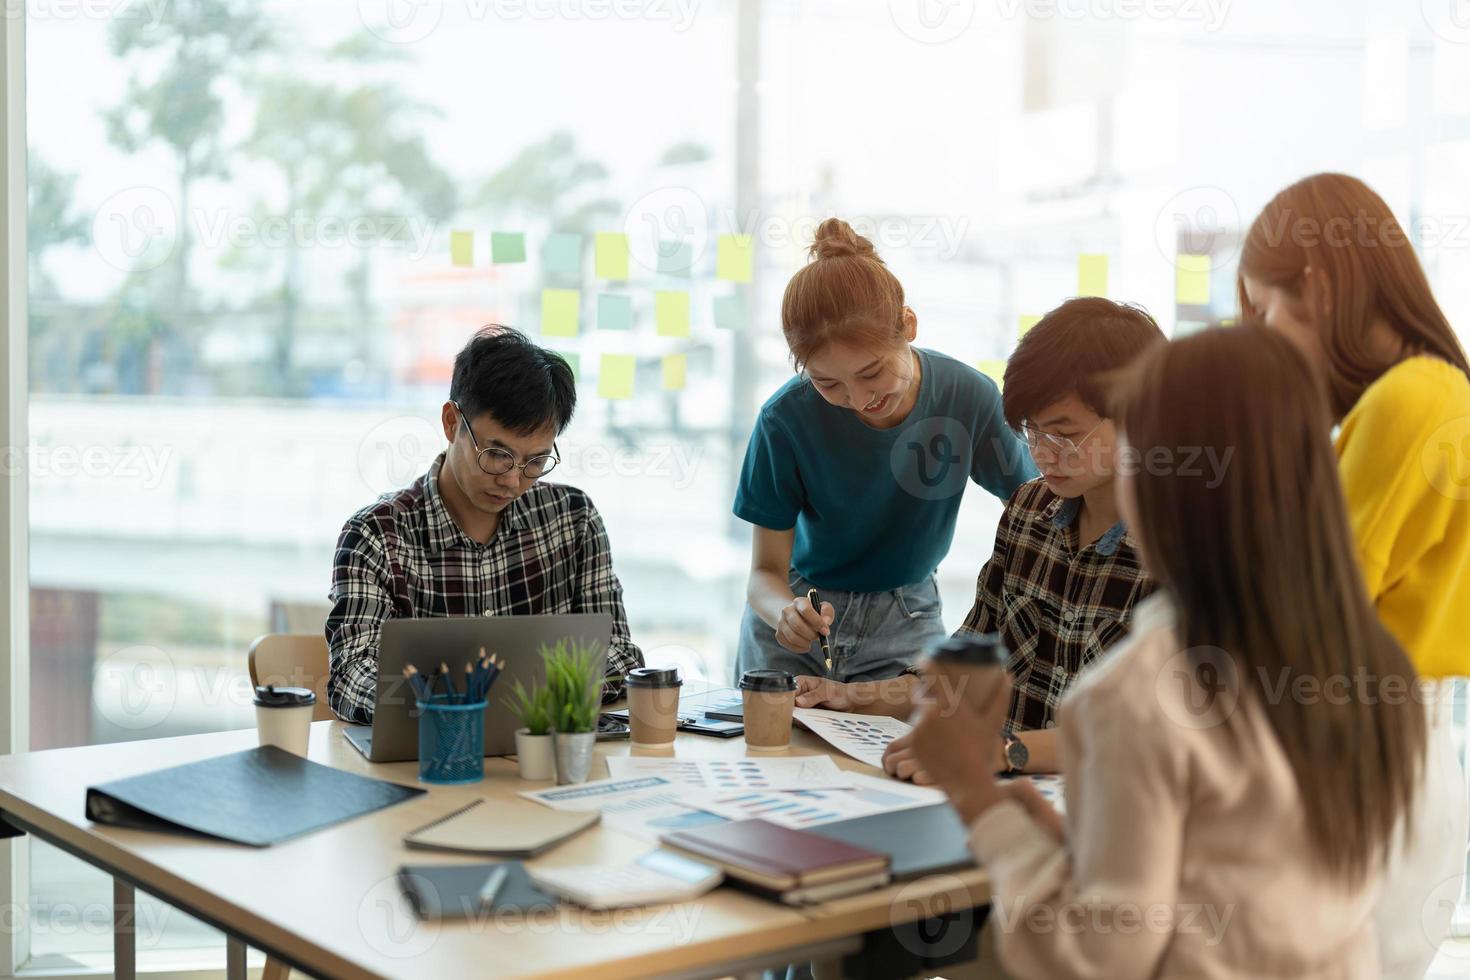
column 778, row 859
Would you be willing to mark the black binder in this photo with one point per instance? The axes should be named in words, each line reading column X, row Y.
column 260, row 796
column 922, row 841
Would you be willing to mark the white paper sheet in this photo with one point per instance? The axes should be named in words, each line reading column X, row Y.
column 798, row 772
column 864, row 737
column 809, row 808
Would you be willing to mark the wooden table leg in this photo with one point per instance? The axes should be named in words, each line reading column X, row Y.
column 234, row 958
column 124, row 930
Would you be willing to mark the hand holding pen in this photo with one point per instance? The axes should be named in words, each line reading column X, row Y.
column 806, row 620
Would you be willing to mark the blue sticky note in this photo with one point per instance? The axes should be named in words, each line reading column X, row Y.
column 562, row 254
column 730, row 312
column 614, row 312
column 675, row 258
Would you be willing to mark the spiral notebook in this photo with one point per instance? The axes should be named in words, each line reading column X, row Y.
column 505, row 829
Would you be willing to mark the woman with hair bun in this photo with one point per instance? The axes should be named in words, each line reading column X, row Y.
column 854, row 473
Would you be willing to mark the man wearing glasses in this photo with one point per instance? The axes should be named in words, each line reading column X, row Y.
column 1062, row 581
column 479, row 534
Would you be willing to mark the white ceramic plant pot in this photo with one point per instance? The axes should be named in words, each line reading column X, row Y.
column 535, row 755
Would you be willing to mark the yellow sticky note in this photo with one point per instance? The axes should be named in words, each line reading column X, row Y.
column 611, row 260
column 671, row 312
column 676, row 368
column 559, row 312
column 1192, row 280
column 462, row 247
column 615, row 379
column 996, row 370
column 1027, row 322
column 735, row 258
column 1092, row 275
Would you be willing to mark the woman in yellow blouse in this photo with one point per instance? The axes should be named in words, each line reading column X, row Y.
column 1327, row 265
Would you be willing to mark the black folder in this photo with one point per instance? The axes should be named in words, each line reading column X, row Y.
column 452, row 891
column 921, row 841
column 260, row 796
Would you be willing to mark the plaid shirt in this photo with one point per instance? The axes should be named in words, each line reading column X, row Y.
column 404, row 557
column 1058, row 608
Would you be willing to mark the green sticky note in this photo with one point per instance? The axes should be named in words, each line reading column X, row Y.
column 1027, row 322
column 611, row 259
column 675, row 258
column 671, row 313
column 559, row 312
column 462, row 247
column 614, row 312
column 735, row 258
column 507, row 247
column 562, row 254
column 615, row 379
column 676, row 370
column 1092, row 275
column 996, row 370
column 730, row 312
column 574, row 361
column 1192, row 280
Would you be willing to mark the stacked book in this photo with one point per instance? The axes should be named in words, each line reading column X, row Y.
column 792, row 866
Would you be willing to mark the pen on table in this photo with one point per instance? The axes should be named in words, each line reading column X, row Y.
column 816, row 601
column 492, row 887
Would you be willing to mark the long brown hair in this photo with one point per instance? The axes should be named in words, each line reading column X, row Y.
column 844, row 293
column 1260, row 562
column 1337, row 225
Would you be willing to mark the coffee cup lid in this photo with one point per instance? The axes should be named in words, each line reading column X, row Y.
column 767, row 679
column 271, row 696
column 974, row 650
column 654, row 677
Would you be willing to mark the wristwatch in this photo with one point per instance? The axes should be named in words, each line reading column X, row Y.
column 1017, row 755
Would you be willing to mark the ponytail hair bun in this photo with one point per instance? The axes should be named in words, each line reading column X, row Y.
column 836, row 239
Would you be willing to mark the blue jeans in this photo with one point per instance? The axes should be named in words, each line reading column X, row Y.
column 874, row 635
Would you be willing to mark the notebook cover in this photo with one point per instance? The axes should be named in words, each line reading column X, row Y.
column 260, row 796
column 511, row 829
column 788, row 857
column 921, row 841
column 452, row 891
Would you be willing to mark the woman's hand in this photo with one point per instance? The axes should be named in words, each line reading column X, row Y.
column 800, row 624
column 823, row 692
column 959, row 747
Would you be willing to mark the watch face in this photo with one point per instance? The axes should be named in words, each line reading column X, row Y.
column 1017, row 754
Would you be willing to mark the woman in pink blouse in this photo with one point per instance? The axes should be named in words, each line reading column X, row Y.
column 1236, row 768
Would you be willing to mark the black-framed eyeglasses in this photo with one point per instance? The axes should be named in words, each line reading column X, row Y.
column 494, row 461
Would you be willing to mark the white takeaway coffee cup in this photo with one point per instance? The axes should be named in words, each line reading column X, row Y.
column 283, row 717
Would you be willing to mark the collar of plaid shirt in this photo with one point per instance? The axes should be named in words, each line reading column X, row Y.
column 1064, row 511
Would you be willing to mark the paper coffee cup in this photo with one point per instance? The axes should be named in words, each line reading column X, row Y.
column 653, row 704
column 770, row 697
column 283, row 717
column 965, row 668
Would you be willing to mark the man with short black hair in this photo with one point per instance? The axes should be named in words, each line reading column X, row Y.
column 479, row 534
column 1062, row 581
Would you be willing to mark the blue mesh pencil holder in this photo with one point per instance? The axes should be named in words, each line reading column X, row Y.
column 451, row 741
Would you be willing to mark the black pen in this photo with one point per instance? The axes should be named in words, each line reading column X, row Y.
column 816, row 601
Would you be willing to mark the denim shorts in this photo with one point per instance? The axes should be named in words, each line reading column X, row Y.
column 874, row 635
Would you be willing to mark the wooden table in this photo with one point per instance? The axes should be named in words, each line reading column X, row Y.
column 328, row 903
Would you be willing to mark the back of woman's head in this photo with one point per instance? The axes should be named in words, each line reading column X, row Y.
column 1338, row 227
column 844, row 294
column 1258, row 558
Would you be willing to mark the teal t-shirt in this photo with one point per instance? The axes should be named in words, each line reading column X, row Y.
column 875, row 509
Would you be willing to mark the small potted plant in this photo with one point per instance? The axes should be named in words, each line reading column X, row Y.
column 574, row 683
column 534, row 754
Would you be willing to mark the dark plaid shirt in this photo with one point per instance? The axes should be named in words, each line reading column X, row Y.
column 1057, row 606
column 404, row 557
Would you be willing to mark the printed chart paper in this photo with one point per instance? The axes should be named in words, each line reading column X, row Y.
column 728, row 775
column 864, row 737
column 808, row 808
